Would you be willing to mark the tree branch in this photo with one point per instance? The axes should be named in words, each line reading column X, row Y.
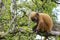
column 51, row 33
column 55, row 33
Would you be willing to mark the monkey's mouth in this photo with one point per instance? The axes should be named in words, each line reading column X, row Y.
column 34, row 19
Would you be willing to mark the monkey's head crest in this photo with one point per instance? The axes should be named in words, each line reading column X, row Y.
column 33, row 16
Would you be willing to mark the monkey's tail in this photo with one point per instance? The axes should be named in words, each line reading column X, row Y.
column 45, row 38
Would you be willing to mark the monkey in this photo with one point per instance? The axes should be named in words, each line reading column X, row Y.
column 43, row 21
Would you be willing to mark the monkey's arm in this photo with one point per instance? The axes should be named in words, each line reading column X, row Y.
column 40, row 24
column 34, row 28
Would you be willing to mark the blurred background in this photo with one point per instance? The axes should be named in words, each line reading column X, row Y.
column 14, row 17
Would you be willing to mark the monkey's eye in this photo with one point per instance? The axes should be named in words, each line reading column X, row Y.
column 34, row 19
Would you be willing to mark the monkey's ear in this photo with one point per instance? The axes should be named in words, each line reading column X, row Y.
column 37, row 14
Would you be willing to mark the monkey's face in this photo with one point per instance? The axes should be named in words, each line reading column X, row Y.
column 33, row 17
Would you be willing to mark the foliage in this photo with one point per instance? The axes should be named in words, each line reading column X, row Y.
column 21, row 19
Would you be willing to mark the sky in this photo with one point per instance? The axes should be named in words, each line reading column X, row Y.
column 57, row 10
